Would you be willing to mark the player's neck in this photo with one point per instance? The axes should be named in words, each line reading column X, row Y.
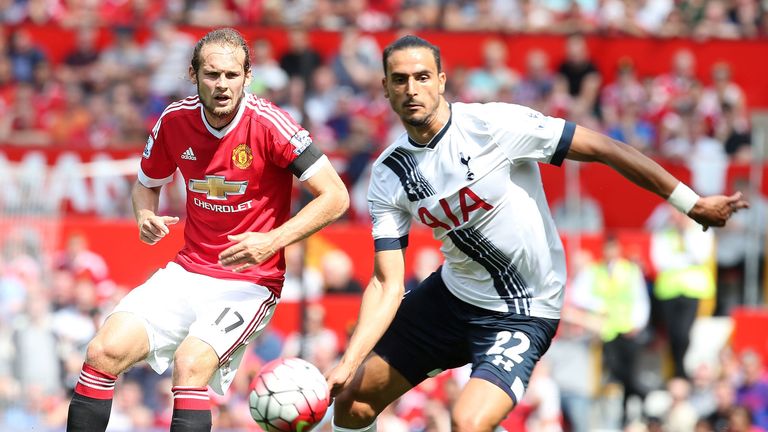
column 424, row 134
column 217, row 122
column 220, row 122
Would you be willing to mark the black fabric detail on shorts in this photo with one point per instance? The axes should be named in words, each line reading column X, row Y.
column 488, row 375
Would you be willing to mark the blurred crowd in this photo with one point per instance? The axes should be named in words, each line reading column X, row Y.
column 731, row 19
column 108, row 97
column 637, row 348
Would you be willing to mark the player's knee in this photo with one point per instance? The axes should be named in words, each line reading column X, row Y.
column 462, row 421
column 105, row 356
column 192, row 364
column 351, row 413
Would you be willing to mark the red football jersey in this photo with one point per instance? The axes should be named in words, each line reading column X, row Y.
column 239, row 179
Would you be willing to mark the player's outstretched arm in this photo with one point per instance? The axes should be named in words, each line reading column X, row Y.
column 381, row 299
column 152, row 227
column 330, row 201
column 591, row 146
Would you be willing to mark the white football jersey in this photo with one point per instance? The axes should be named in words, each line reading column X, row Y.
column 477, row 185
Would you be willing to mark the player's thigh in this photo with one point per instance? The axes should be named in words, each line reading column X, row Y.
column 506, row 348
column 194, row 363
column 428, row 333
column 161, row 306
column 481, row 406
column 228, row 316
column 121, row 342
column 375, row 385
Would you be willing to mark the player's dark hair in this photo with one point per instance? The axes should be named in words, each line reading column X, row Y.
column 222, row 36
column 411, row 41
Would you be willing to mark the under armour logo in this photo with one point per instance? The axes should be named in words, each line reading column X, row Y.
column 465, row 161
column 505, row 363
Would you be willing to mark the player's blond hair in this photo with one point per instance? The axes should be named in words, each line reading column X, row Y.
column 222, row 36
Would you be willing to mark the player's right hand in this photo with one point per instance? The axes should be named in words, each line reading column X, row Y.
column 153, row 228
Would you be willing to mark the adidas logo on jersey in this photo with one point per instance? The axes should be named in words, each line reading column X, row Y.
column 188, row 154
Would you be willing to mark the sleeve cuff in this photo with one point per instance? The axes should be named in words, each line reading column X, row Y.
column 151, row 182
column 306, row 161
column 564, row 144
column 383, row 244
column 314, row 168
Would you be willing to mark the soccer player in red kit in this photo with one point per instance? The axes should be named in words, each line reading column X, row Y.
column 237, row 153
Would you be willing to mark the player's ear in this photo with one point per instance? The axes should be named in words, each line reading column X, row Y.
column 441, row 77
column 384, row 84
column 192, row 75
column 248, row 77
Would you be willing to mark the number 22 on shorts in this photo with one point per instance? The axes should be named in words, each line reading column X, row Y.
column 508, row 357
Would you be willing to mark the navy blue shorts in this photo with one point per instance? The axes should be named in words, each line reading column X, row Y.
column 435, row 331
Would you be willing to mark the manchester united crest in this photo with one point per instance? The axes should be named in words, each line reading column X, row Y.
column 242, row 156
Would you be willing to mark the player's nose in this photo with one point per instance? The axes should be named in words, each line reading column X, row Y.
column 410, row 87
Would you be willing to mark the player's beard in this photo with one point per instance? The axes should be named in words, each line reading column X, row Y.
column 420, row 121
column 222, row 112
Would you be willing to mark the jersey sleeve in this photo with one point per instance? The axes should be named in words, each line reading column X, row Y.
column 391, row 224
column 526, row 134
column 156, row 167
column 291, row 145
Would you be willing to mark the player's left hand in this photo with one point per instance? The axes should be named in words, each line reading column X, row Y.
column 251, row 248
column 338, row 377
column 717, row 209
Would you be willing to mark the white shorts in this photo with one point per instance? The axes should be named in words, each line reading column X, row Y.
column 226, row 314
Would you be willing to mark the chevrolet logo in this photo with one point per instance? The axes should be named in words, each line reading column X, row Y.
column 217, row 187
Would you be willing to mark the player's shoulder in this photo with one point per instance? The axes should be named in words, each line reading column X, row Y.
column 269, row 115
column 492, row 117
column 256, row 104
column 180, row 108
column 398, row 145
column 482, row 112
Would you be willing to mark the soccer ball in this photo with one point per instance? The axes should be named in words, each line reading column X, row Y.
column 288, row 395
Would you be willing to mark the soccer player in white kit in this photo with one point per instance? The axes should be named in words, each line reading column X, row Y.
column 469, row 172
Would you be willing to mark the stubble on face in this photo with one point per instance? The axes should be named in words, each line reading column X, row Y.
column 416, row 120
column 220, row 112
column 420, row 109
column 222, row 59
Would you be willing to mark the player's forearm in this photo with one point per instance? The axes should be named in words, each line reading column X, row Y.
column 626, row 160
column 321, row 211
column 378, row 308
column 145, row 201
column 642, row 170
